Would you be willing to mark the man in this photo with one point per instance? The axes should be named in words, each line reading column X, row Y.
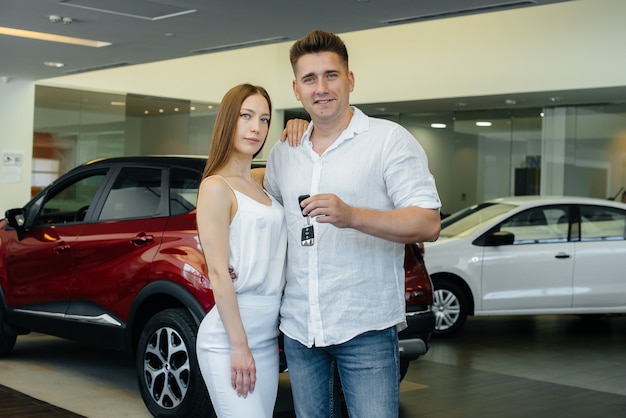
column 370, row 192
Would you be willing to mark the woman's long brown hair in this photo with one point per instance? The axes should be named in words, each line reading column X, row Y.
column 226, row 125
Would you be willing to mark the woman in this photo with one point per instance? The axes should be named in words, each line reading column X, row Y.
column 241, row 228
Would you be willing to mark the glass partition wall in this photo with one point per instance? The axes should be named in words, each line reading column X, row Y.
column 72, row 127
column 584, row 151
column 474, row 155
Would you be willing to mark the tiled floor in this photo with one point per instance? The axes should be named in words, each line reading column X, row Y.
column 524, row 367
column 497, row 367
column 16, row 404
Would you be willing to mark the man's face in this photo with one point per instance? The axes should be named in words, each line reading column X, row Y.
column 323, row 85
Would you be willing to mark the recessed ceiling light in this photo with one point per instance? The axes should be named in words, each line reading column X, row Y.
column 438, row 125
column 54, row 64
column 480, row 123
column 60, row 19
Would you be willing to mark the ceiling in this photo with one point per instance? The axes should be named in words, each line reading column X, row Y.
column 142, row 31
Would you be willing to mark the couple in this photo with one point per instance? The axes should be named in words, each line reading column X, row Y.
column 342, row 302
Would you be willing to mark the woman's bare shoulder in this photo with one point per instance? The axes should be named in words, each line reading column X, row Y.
column 215, row 187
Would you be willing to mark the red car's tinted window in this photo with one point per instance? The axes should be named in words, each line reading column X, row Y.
column 71, row 202
column 137, row 193
column 184, row 186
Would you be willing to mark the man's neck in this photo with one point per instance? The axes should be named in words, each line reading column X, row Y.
column 326, row 132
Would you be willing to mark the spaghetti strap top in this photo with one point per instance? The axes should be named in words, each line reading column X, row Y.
column 258, row 245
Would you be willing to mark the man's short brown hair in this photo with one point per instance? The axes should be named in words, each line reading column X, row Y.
column 318, row 41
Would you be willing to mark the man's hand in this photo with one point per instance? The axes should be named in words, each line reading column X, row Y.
column 328, row 208
column 293, row 131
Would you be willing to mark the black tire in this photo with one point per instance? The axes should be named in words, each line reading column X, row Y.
column 451, row 307
column 170, row 381
column 7, row 340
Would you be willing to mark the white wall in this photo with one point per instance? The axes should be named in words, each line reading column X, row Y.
column 17, row 101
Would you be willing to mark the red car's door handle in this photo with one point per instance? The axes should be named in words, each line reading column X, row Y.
column 61, row 248
column 142, row 239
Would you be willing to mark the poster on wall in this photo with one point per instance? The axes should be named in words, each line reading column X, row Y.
column 12, row 167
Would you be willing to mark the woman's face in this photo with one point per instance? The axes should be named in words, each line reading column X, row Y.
column 252, row 125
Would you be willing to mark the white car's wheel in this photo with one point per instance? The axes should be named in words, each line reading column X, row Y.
column 450, row 306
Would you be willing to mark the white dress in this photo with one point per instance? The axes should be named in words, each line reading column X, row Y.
column 258, row 241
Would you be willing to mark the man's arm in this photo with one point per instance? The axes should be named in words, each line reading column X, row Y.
column 404, row 225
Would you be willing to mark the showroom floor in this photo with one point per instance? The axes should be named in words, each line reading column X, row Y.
column 510, row 367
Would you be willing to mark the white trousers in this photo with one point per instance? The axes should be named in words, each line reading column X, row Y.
column 259, row 315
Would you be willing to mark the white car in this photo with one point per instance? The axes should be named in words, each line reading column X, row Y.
column 529, row 255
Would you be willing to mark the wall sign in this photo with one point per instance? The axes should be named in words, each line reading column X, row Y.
column 12, row 167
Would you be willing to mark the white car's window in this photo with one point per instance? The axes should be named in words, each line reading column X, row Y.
column 464, row 223
column 600, row 223
column 539, row 225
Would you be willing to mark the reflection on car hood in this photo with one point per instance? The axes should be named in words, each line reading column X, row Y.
column 440, row 241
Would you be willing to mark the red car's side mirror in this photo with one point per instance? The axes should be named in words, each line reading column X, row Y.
column 16, row 219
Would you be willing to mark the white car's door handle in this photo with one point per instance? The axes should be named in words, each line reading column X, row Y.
column 562, row 255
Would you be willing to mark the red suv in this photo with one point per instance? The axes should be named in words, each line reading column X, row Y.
column 108, row 254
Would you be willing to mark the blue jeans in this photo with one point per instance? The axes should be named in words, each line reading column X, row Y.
column 369, row 370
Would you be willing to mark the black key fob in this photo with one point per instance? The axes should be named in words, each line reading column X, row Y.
column 307, row 238
column 300, row 199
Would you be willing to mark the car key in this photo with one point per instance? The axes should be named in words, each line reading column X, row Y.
column 307, row 237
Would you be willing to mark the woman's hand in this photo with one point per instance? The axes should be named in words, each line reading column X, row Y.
column 294, row 129
column 243, row 371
